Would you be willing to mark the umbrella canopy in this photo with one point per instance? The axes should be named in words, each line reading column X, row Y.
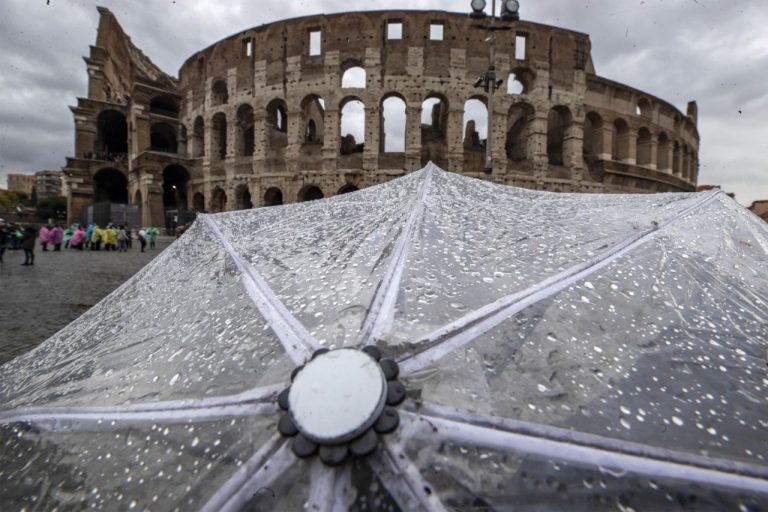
column 433, row 343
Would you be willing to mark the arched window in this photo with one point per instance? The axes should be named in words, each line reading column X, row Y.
column 620, row 150
column 243, row 198
column 111, row 135
column 352, row 126
column 273, row 197
column 664, row 153
column 310, row 193
column 244, row 131
column 514, row 86
column 644, row 146
column 393, row 125
column 162, row 137
column 557, row 123
column 219, row 93
column 110, row 185
column 434, row 128
column 518, row 121
column 346, row 189
column 218, row 200
column 475, row 124
column 593, row 136
column 677, row 156
column 219, row 136
column 313, row 112
column 198, row 202
column 353, row 77
column 643, row 108
column 175, row 181
column 277, row 124
column 164, row 105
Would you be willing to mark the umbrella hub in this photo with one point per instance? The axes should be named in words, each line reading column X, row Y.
column 337, row 403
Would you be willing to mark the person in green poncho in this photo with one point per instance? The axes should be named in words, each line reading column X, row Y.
column 152, row 233
column 68, row 235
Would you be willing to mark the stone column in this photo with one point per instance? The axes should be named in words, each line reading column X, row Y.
column 537, row 144
column 454, row 136
column 372, row 137
column 295, row 122
column 413, row 136
column 331, row 142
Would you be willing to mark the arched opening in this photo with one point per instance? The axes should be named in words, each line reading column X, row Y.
column 243, row 198
column 175, row 180
column 198, row 138
column 593, row 136
column 310, row 193
column 514, row 86
column 110, row 185
column 245, row 131
column 346, row 189
column 518, row 122
column 277, row 124
column 644, row 147
column 219, row 93
column 557, row 123
column 164, row 105
column 676, row 159
column 198, row 202
column 162, row 137
column 218, row 200
column 313, row 112
column 112, row 135
column 273, row 197
column 219, row 136
column 353, row 77
column 643, row 108
column 475, row 124
column 620, row 150
column 393, row 124
column 352, row 126
column 664, row 163
column 434, row 127
column 520, row 81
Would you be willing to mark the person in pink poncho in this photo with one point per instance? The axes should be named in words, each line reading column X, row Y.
column 78, row 239
column 44, row 236
column 56, row 237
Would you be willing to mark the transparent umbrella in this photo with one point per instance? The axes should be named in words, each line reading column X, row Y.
column 433, row 343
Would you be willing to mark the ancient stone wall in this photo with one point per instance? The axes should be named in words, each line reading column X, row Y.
column 262, row 113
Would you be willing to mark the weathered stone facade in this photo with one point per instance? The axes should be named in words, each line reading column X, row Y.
column 255, row 119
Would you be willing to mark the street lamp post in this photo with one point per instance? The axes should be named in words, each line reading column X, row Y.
column 488, row 82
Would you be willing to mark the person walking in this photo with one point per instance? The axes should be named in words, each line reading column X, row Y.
column 152, row 233
column 78, row 239
column 56, row 237
column 95, row 238
column 88, row 236
column 109, row 236
column 122, row 239
column 142, row 238
column 28, row 244
column 68, row 233
column 44, row 236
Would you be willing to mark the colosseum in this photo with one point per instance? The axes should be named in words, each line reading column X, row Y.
column 263, row 116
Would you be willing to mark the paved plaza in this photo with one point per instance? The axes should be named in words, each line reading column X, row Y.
column 37, row 301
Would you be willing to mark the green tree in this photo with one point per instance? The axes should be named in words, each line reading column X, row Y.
column 52, row 208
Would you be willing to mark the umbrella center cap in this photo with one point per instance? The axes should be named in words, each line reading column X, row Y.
column 337, row 396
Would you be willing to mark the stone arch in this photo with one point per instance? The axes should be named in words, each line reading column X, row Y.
column 354, row 76
column 219, row 93
column 243, row 198
column 277, row 124
column 175, row 182
column 162, row 137
column 198, row 202
column 164, row 105
column 644, row 146
column 245, row 133
column 475, row 122
column 520, row 81
column 198, row 137
column 434, row 129
column 111, row 134
column 593, row 136
column 346, row 189
column 218, row 200
column 664, row 145
column 393, row 123
column 643, row 108
column 352, row 125
column 518, row 128
column 620, row 147
column 313, row 112
column 273, row 197
column 558, row 122
column 310, row 193
column 219, row 136
column 110, row 185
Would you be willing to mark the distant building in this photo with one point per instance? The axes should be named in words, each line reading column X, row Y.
column 704, row 188
column 760, row 208
column 48, row 184
column 21, row 183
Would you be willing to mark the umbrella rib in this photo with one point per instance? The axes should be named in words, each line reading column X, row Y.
column 382, row 306
column 465, row 329
column 579, row 448
column 69, row 418
column 254, row 478
column 296, row 340
column 403, row 480
column 328, row 487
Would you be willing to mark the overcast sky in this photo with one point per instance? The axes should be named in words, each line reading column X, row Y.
column 713, row 51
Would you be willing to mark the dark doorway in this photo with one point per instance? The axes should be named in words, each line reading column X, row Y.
column 311, row 193
column 273, row 197
column 110, row 185
column 175, row 180
column 112, row 136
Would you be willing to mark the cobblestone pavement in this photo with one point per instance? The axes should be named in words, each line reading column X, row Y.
column 38, row 301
